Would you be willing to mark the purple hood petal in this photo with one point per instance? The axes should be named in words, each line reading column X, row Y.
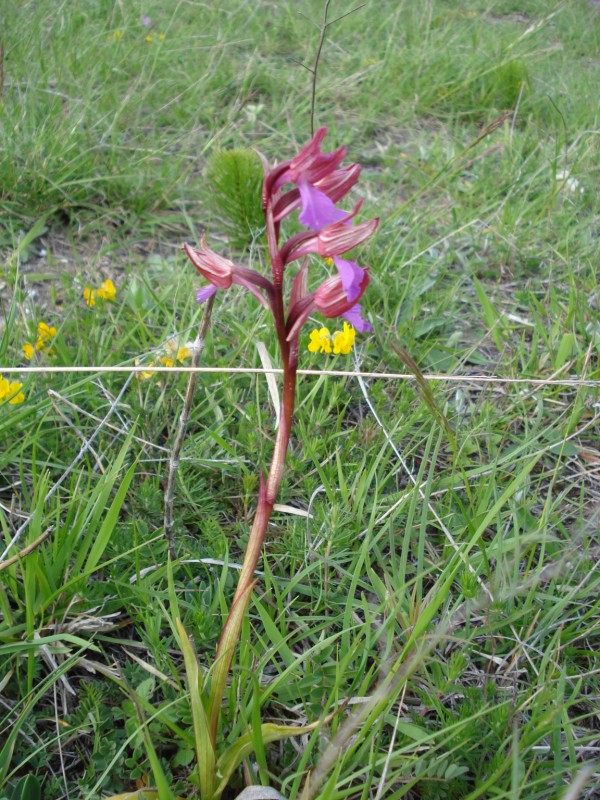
column 352, row 276
column 354, row 317
column 317, row 209
column 204, row 293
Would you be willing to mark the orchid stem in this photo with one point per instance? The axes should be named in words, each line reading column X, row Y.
column 266, row 500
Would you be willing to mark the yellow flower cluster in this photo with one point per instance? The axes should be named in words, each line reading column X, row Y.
column 45, row 334
column 11, row 391
column 338, row 343
column 117, row 35
column 172, row 354
column 107, row 291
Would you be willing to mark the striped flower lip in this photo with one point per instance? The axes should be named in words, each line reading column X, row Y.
column 215, row 268
column 333, row 240
column 334, row 186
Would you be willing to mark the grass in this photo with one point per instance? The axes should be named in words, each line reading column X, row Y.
column 456, row 561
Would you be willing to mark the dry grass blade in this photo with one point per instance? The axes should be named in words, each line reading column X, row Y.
column 26, row 550
column 182, row 427
column 78, row 458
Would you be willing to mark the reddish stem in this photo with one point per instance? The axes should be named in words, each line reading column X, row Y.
column 268, row 490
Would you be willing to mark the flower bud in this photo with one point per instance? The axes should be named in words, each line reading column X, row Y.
column 215, row 268
column 311, row 164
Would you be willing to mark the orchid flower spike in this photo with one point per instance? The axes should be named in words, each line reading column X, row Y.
column 318, row 182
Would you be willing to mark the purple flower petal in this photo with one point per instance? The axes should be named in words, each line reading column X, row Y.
column 353, row 316
column 205, row 293
column 352, row 277
column 317, row 209
column 146, row 21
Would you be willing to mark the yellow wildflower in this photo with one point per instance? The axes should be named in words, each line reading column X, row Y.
column 343, row 341
column 161, row 36
column 11, row 391
column 90, row 296
column 46, row 332
column 340, row 343
column 171, row 353
column 144, row 376
column 148, row 38
column 115, row 36
column 45, row 335
column 176, row 353
column 320, row 341
column 107, row 290
column 29, row 350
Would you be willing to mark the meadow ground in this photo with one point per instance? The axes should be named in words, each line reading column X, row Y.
column 446, row 537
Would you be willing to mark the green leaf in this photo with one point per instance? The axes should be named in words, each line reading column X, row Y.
column 13, row 648
column 90, row 547
column 227, row 644
column 39, row 228
column 28, row 788
column 162, row 784
column 243, row 747
column 112, row 515
column 274, row 635
column 491, row 315
column 566, row 350
column 205, row 753
column 7, row 751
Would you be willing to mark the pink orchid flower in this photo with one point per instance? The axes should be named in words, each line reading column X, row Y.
column 220, row 272
column 320, row 182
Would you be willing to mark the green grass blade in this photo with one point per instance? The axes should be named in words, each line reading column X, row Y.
column 110, row 521
column 205, row 753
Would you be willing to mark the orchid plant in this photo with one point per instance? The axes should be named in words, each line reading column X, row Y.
column 313, row 182
column 318, row 182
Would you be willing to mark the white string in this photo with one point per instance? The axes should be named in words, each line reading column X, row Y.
column 574, row 382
